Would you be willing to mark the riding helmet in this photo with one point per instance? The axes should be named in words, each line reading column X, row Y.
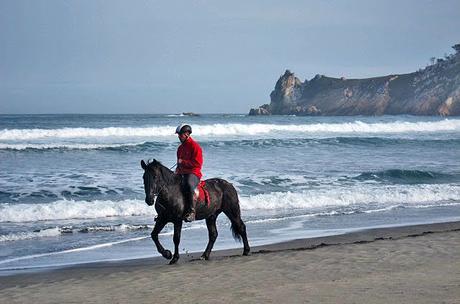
column 182, row 128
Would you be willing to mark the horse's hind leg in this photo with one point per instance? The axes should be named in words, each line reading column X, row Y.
column 176, row 239
column 239, row 229
column 212, row 233
column 159, row 225
column 231, row 208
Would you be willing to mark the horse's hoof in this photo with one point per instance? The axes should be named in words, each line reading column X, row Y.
column 204, row 258
column 246, row 253
column 167, row 255
column 174, row 260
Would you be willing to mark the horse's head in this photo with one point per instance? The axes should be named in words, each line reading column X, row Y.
column 153, row 181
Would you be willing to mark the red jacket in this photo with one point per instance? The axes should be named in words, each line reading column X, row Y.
column 192, row 158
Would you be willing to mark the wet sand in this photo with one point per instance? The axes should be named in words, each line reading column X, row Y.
column 413, row 264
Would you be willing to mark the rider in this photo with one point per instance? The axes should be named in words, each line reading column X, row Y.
column 189, row 163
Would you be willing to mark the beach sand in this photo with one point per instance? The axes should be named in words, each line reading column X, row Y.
column 414, row 264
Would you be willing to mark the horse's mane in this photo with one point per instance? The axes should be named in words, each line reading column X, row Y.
column 167, row 175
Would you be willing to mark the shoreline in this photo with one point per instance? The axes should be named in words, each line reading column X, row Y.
column 352, row 236
column 145, row 250
column 408, row 264
column 359, row 236
column 347, row 236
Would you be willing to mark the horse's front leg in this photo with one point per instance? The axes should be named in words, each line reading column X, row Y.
column 176, row 239
column 159, row 225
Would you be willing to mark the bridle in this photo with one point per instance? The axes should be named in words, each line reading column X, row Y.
column 162, row 187
column 157, row 193
column 155, row 201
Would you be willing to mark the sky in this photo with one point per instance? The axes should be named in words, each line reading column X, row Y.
column 93, row 56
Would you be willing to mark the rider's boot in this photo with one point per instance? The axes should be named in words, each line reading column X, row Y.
column 189, row 215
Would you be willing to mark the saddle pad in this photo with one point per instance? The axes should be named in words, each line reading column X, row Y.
column 201, row 195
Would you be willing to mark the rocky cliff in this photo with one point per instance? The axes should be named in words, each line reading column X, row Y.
column 434, row 90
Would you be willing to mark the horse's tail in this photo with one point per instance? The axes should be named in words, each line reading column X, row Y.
column 233, row 210
column 235, row 232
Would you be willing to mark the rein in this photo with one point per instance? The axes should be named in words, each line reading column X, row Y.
column 161, row 188
column 157, row 193
column 159, row 204
column 156, row 200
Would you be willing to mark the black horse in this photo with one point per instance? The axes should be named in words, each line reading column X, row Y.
column 162, row 183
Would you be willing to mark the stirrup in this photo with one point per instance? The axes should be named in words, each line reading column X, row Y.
column 190, row 216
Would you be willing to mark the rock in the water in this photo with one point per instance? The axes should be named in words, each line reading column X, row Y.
column 262, row 110
column 190, row 114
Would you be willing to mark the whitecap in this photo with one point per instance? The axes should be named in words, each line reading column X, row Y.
column 316, row 198
column 356, row 127
column 354, row 195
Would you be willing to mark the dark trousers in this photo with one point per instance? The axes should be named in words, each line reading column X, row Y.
column 189, row 183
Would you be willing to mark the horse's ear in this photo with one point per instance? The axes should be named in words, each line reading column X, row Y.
column 143, row 165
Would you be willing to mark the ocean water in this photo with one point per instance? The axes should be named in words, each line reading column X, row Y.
column 71, row 187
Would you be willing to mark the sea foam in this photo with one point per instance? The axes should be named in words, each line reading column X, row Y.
column 59, row 230
column 233, row 129
column 50, row 232
column 362, row 195
column 358, row 195
column 70, row 209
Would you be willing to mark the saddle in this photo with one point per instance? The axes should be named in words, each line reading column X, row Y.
column 201, row 195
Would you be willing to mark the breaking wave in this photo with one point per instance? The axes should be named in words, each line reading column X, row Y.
column 70, row 209
column 411, row 195
column 358, row 195
column 244, row 142
column 235, row 129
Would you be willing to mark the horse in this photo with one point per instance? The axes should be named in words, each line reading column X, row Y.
column 165, row 185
